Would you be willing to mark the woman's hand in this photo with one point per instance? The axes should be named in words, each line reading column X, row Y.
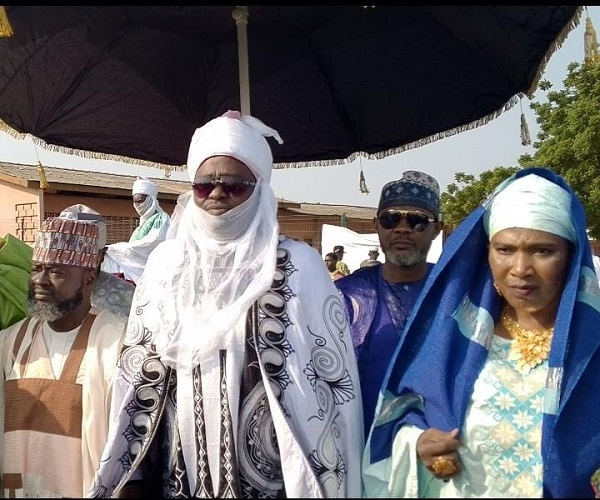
column 438, row 452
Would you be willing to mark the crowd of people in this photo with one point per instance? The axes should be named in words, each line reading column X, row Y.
column 227, row 361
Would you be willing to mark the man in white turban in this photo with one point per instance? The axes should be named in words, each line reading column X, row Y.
column 129, row 258
column 238, row 377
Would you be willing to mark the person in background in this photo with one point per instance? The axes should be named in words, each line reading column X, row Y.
column 237, row 377
column 58, row 365
column 379, row 299
column 373, row 258
column 128, row 258
column 331, row 264
column 494, row 391
column 342, row 267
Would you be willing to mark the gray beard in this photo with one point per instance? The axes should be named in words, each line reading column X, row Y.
column 53, row 311
column 406, row 259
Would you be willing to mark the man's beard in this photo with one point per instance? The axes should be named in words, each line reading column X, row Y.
column 406, row 259
column 53, row 311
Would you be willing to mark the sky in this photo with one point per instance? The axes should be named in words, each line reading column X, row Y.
column 497, row 143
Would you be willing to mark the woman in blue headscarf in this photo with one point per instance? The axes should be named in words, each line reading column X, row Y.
column 494, row 391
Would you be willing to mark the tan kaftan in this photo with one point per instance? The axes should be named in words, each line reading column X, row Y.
column 55, row 426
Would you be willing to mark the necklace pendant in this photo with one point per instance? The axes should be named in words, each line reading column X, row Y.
column 529, row 348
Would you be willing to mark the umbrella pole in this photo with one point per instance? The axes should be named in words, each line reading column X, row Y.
column 240, row 14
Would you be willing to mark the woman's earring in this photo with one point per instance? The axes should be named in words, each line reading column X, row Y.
column 497, row 289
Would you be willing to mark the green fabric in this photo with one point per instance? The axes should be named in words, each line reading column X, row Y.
column 155, row 222
column 15, row 266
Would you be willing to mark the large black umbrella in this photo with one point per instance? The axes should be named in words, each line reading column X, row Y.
column 134, row 82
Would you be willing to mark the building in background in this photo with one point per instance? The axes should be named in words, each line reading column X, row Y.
column 25, row 202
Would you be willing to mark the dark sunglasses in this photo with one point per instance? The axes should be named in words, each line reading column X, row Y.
column 230, row 186
column 416, row 220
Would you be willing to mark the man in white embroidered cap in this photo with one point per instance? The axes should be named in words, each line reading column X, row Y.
column 58, row 365
column 239, row 337
column 128, row 258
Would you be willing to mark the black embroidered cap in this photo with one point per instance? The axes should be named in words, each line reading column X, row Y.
column 416, row 189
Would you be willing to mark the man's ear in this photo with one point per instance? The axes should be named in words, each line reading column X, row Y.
column 90, row 276
column 101, row 255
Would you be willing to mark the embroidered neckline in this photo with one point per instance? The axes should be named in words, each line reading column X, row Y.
column 528, row 348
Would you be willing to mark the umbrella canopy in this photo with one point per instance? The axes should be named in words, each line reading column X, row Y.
column 132, row 83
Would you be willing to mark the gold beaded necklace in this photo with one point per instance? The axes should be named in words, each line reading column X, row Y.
column 529, row 347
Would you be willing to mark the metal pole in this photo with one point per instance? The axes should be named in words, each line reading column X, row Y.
column 240, row 14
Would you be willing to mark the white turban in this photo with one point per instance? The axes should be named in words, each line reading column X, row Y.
column 241, row 137
column 142, row 185
column 531, row 202
column 86, row 214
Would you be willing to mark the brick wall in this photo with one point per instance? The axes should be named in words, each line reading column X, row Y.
column 26, row 221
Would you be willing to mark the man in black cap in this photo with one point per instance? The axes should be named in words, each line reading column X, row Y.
column 341, row 266
column 378, row 299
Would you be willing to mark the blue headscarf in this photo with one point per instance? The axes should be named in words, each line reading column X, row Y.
column 446, row 342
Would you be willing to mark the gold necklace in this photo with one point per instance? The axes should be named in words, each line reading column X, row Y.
column 529, row 347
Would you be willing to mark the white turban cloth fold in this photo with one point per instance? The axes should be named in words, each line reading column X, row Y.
column 241, row 137
column 142, row 185
column 530, row 202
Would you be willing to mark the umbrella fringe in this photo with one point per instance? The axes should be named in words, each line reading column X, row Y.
column 554, row 46
column 168, row 169
column 4, row 127
column 42, row 176
column 590, row 42
column 413, row 145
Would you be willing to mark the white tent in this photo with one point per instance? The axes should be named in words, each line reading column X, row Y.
column 356, row 246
